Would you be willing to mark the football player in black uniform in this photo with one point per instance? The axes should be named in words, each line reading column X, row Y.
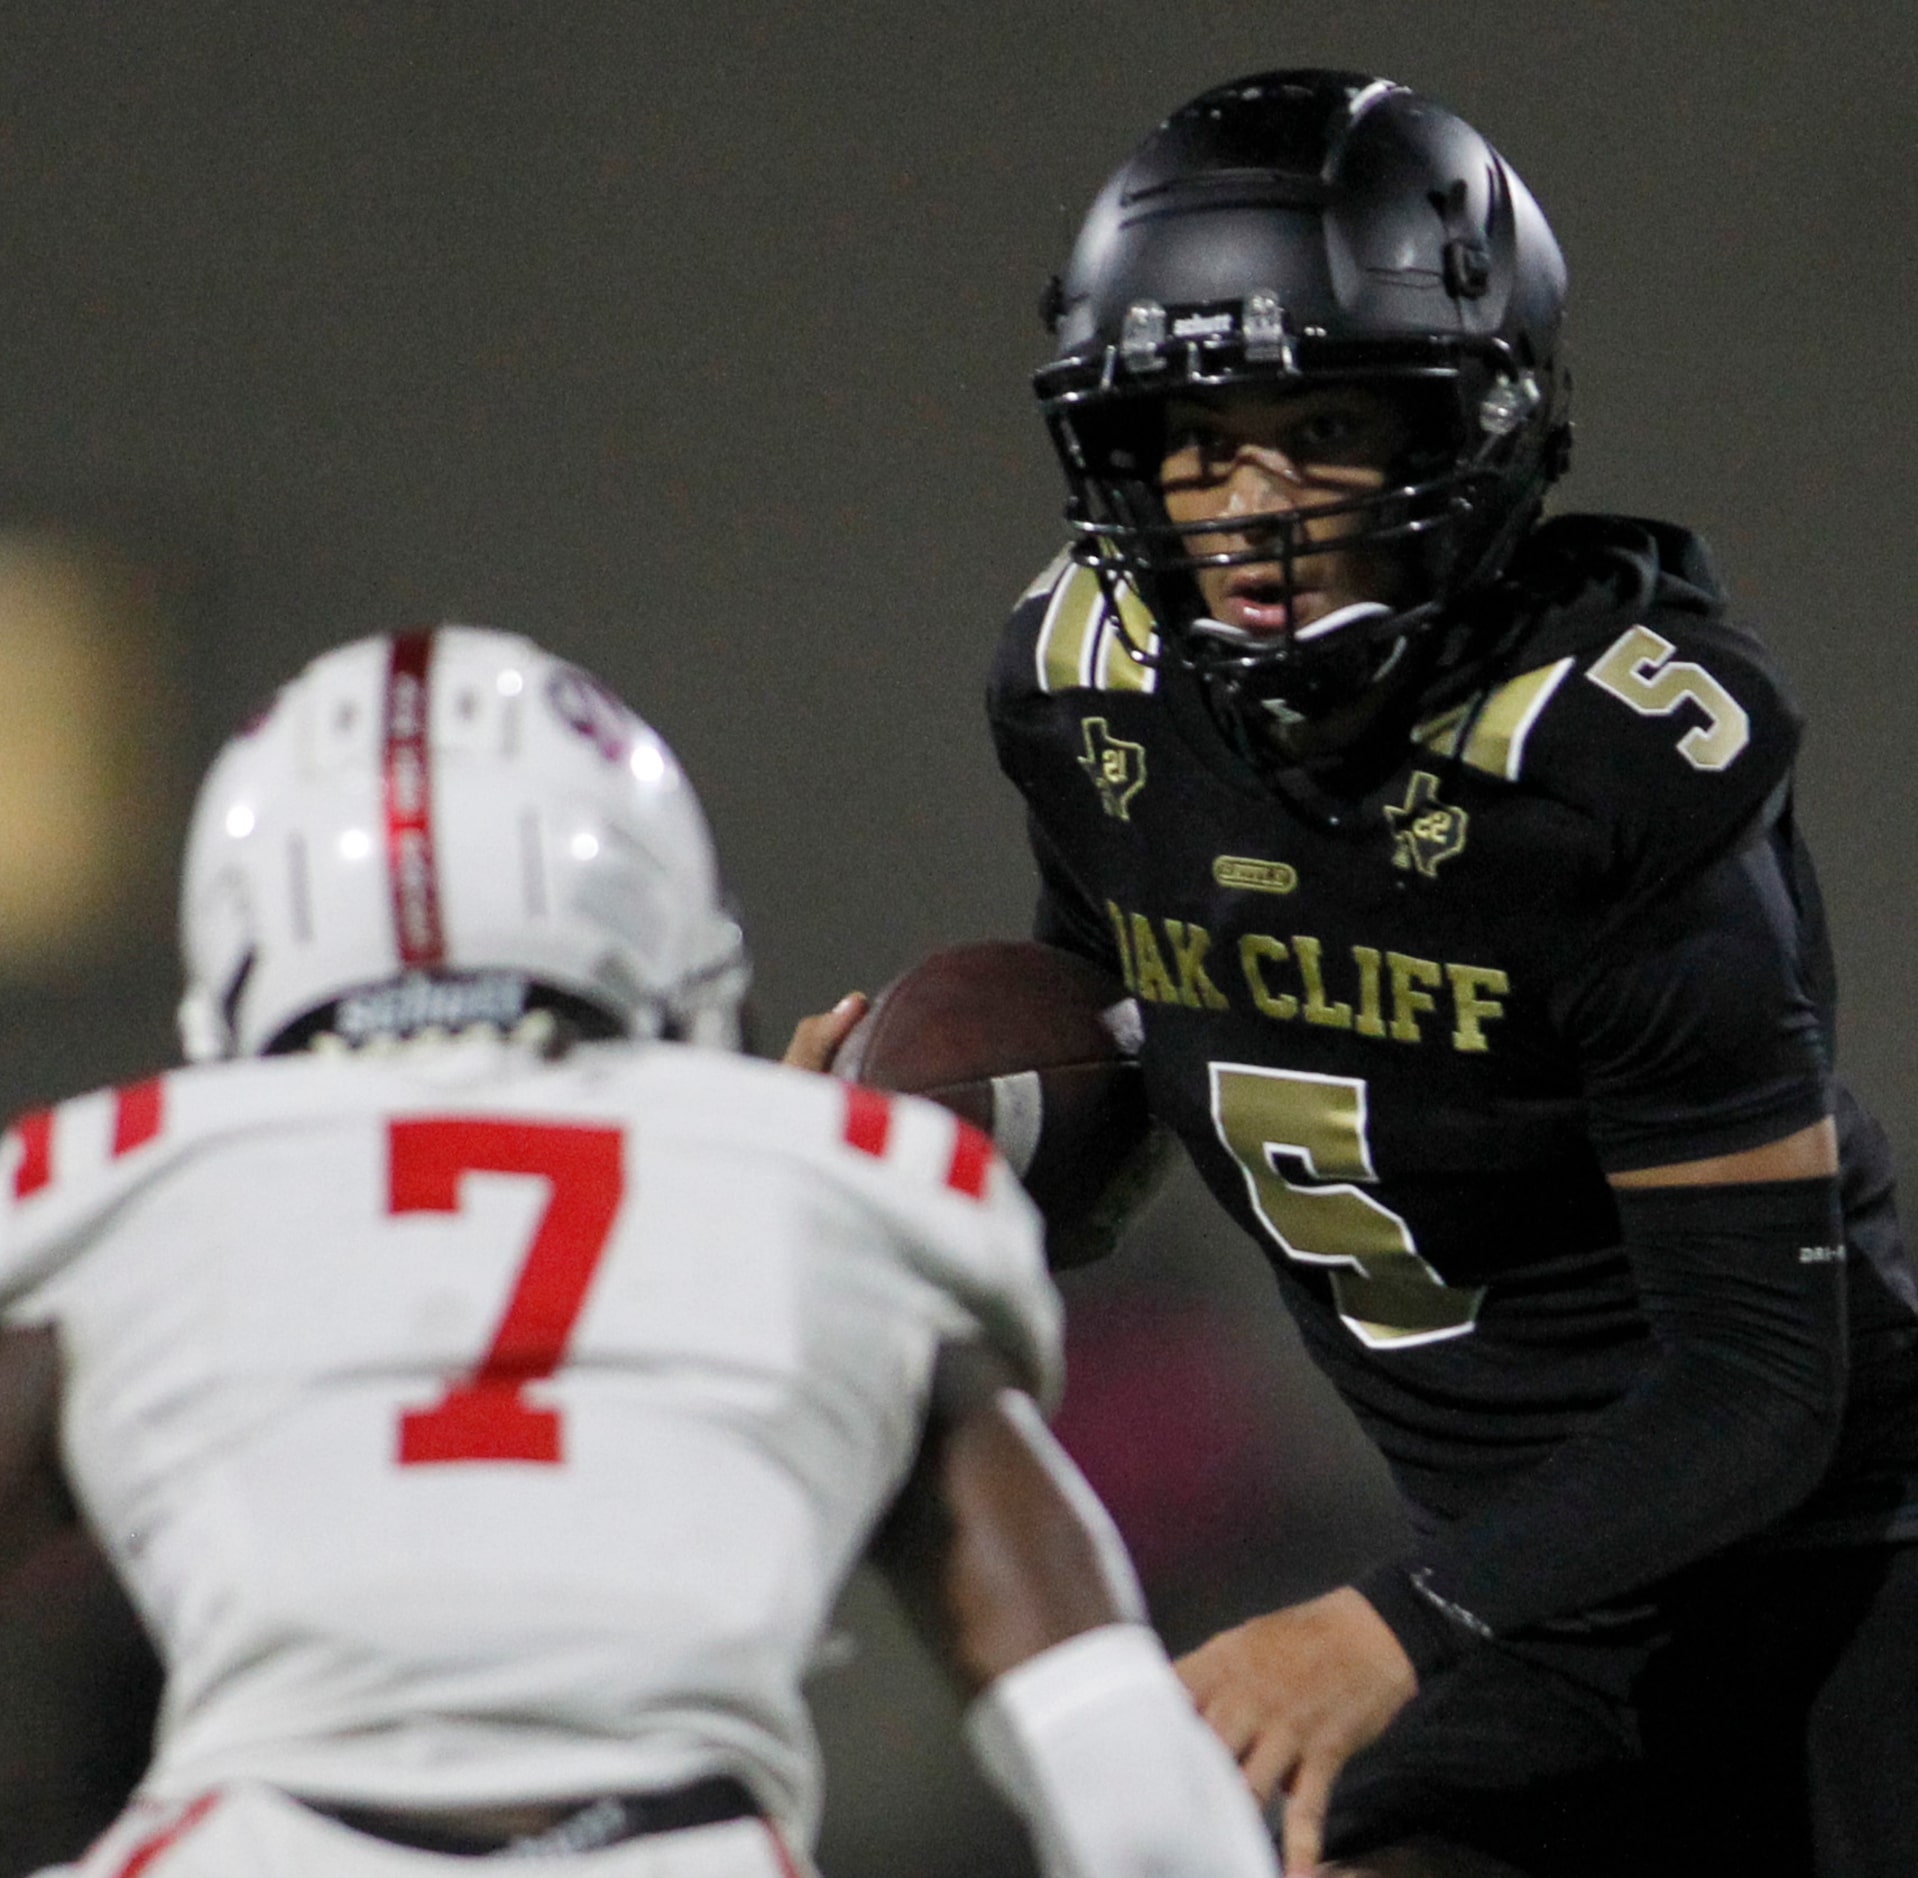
column 1449, row 854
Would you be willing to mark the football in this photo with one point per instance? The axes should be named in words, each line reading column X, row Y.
column 1038, row 1048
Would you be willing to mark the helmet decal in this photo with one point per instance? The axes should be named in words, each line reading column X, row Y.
column 409, row 803
column 585, row 706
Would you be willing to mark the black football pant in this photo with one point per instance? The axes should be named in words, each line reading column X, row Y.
column 1760, row 1720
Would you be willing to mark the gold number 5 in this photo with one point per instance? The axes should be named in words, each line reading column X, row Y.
column 1386, row 1295
column 1634, row 670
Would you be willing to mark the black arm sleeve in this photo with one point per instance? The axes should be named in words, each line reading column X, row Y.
column 1731, row 1423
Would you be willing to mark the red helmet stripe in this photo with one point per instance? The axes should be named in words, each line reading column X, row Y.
column 409, row 804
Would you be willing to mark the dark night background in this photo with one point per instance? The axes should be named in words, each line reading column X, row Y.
column 694, row 342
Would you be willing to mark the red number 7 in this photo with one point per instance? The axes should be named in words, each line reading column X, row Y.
column 484, row 1416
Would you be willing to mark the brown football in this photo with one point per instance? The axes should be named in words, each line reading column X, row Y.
column 1037, row 1047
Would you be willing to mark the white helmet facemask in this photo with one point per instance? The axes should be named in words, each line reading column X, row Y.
column 430, row 829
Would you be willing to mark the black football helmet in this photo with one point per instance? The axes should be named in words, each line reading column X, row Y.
column 1291, row 229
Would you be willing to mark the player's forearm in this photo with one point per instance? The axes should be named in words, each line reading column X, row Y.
column 1018, row 1578
column 997, row 1549
column 35, row 1506
column 1731, row 1424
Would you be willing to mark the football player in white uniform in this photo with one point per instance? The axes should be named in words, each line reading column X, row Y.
column 485, row 1396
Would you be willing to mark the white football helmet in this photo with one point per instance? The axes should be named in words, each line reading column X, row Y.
column 434, row 828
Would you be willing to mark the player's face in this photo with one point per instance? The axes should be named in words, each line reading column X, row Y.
column 1252, row 453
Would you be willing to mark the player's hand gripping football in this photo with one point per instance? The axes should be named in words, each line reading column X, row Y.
column 816, row 1040
column 1294, row 1695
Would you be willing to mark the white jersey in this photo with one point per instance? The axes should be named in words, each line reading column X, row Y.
column 470, row 1428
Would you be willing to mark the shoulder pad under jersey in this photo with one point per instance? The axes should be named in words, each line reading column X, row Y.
column 1647, row 712
column 930, row 1191
column 935, row 1192
column 960, row 1221
column 67, row 1171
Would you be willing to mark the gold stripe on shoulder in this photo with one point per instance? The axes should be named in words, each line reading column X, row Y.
column 1081, row 647
column 1042, row 582
column 1498, row 725
column 1067, row 629
column 1122, row 640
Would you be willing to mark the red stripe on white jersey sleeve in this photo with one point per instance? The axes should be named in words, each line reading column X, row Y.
column 35, row 1167
column 138, row 1110
column 869, row 1127
column 971, row 1161
column 169, row 1835
column 868, row 1123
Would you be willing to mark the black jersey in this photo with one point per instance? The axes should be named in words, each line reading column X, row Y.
column 1572, row 933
